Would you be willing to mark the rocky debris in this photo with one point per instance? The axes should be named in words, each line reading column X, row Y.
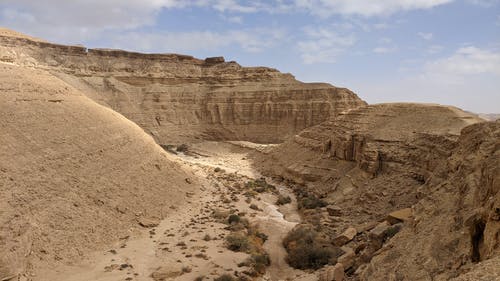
column 332, row 273
column 334, row 210
column 345, row 237
column 398, row 216
column 149, row 222
column 347, row 259
column 384, row 230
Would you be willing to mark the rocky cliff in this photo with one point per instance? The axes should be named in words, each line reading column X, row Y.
column 177, row 98
column 374, row 160
column 456, row 229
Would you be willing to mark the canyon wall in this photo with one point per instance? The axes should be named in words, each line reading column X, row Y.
column 437, row 163
column 179, row 98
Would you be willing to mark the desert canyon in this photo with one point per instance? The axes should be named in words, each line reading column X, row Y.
column 117, row 165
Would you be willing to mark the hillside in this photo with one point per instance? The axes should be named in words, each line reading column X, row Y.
column 75, row 175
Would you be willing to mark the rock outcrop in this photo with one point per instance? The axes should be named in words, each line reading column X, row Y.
column 178, row 98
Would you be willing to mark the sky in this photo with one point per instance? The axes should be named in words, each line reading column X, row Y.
column 434, row 51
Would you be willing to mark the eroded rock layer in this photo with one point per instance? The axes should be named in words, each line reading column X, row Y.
column 177, row 97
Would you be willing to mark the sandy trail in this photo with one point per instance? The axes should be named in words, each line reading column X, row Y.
column 176, row 249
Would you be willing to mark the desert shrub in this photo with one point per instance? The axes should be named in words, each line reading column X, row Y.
column 237, row 243
column 305, row 250
column 182, row 148
column 259, row 262
column 233, row 219
column 311, row 202
column 282, row 200
column 199, row 278
column 207, row 237
column 260, row 185
column 224, row 277
column 169, row 148
column 309, row 256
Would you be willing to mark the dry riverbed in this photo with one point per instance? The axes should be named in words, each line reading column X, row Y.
column 190, row 242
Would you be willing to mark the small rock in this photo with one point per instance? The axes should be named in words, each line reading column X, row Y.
column 146, row 222
column 188, row 180
column 347, row 259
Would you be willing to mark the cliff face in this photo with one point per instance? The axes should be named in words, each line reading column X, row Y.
column 177, row 98
column 439, row 161
column 457, row 223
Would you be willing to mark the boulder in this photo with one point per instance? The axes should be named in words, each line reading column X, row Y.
column 332, row 273
column 345, row 237
column 398, row 216
column 347, row 259
column 378, row 232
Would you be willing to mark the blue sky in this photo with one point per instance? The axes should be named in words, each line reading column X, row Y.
column 439, row 51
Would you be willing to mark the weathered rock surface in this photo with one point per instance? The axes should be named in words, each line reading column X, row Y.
column 176, row 98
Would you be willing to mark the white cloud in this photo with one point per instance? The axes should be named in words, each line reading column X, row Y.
column 484, row 3
column 465, row 62
column 466, row 78
column 322, row 45
column 425, row 35
column 252, row 40
column 384, row 50
column 366, row 7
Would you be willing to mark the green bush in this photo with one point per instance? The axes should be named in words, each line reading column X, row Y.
column 309, row 256
column 233, row 219
column 259, row 262
column 182, row 148
column 306, row 250
column 311, row 202
column 282, row 200
column 237, row 243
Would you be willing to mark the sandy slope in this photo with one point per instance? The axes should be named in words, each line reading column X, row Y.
column 74, row 175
